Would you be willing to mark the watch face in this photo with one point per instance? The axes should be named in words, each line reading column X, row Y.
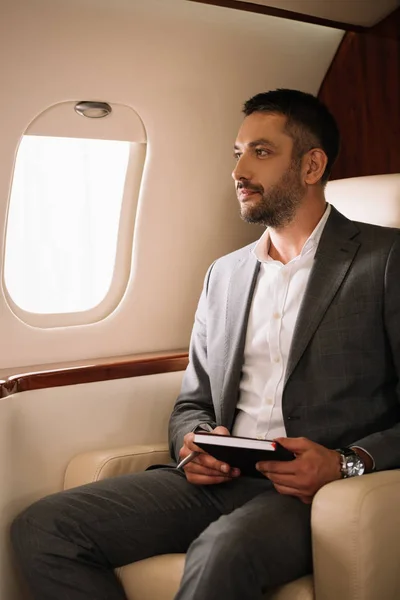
column 354, row 465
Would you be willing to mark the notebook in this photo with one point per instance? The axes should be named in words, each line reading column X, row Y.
column 241, row 452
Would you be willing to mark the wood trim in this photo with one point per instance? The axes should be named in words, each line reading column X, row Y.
column 283, row 14
column 55, row 375
column 389, row 27
column 362, row 90
column 346, row 39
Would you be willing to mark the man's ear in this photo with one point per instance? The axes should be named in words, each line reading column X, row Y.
column 314, row 166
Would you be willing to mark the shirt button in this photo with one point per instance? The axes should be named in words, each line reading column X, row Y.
column 270, row 401
column 277, row 359
column 259, row 437
column 277, row 316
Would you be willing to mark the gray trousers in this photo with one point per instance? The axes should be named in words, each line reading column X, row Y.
column 241, row 537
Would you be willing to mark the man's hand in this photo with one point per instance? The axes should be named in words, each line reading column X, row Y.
column 205, row 469
column 313, row 467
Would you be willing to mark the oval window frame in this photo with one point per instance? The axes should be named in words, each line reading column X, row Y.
column 123, row 124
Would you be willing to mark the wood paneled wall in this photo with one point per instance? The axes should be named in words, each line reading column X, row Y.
column 362, row 90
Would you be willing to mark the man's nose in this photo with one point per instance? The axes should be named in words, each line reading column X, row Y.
column 242, row 169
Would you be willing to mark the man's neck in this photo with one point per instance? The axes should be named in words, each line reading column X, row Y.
column 286, row 243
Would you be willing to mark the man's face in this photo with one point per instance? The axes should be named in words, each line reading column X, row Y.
column 268, row 179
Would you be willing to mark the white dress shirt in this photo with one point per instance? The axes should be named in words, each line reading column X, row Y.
column 276, row 302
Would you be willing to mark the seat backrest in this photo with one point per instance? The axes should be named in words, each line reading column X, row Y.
column 373, row 199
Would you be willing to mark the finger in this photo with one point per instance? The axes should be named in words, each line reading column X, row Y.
column 189, row 437
column 306, row 499
column 197, row 479
column 289, row 467
column 207, row 462
column 287, row 481
column 204, row 458
column 221, row 430
column 199, row 469
column 189, row 443
column 184, row 452
column 191, row 446
column 288, row 491
column 295, row 445
column 212, row 463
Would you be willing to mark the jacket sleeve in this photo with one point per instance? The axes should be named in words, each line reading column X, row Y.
column 384, row 446
column 194, row 404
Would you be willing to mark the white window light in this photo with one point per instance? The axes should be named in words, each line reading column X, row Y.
column 64, row 229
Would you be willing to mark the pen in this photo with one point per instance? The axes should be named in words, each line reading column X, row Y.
column 187, row 460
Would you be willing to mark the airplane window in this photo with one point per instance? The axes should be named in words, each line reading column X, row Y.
column 71, row 214
column 63, row 222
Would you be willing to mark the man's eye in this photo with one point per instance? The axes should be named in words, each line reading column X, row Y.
column 262, row 152
column 237, row 155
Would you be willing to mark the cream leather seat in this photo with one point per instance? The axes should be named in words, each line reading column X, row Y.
column 355, row 523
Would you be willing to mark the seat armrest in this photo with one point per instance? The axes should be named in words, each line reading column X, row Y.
column 100, row 464
column 355, row 532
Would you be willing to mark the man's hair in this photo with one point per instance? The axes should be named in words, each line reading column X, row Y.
column 309, row 123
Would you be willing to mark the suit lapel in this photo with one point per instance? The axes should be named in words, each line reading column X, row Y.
column 335, row 253
column 240, row 292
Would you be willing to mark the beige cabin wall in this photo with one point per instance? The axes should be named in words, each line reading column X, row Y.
column 186, row 69
column 42, row 430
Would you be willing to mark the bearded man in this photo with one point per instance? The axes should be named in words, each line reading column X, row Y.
column 296, row 338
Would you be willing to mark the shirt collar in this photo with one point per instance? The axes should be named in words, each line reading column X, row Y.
column 261, row 248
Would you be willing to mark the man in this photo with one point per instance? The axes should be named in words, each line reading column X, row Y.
column 296, row 338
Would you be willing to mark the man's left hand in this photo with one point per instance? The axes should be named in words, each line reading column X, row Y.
column 313, row 467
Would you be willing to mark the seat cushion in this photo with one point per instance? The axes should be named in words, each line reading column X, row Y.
column 158, row 577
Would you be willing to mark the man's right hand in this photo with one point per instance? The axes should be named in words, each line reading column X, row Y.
column 204, row 469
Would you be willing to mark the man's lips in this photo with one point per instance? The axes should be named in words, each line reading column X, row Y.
column 244, row 193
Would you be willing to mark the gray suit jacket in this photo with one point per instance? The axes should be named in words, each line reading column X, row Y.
column 342, row 382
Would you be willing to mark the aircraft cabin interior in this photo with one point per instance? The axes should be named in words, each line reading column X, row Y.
column 118, row 123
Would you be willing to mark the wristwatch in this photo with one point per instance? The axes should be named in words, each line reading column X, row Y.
column 351, row 463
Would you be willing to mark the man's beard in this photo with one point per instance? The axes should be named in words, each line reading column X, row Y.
column 277, row 207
